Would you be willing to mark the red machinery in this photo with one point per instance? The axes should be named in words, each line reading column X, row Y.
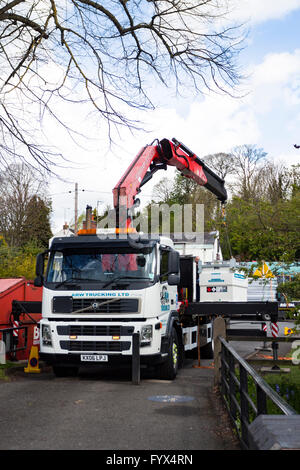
column 18, row 296
column 157, row 157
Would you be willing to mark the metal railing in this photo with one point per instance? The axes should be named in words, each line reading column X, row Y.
column 11, row 341
column 236, row 375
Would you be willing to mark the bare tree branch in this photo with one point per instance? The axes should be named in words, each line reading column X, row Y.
column 107, row 53
column 9, row 6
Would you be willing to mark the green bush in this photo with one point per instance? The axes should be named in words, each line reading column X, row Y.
column 291, row 289
column 18, row 262
column 288, row 387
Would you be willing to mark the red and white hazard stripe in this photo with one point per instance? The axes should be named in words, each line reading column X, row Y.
column 264, row 327
column 15, row 325
column 274, row 330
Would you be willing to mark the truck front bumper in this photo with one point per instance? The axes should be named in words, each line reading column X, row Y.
column 113, row 359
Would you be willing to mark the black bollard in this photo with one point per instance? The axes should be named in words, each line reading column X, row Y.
column 275, row 355
column 136, row 372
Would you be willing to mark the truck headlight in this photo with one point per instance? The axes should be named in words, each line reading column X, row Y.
column 46, row 335
column 146, row 334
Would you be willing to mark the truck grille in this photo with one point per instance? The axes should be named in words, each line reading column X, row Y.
column 95, row 305
column 95, row 330
column 95, row 346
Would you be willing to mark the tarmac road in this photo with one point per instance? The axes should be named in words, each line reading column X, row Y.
column 245, row 348
column 104, row 410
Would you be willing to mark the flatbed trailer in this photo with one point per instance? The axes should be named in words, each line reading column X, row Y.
column 240, row 310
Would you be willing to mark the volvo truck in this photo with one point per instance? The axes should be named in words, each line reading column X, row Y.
column 98, row 291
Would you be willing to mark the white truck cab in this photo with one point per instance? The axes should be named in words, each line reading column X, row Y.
column 98, row 292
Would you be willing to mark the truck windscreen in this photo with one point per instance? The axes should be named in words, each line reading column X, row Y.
column 99, row 265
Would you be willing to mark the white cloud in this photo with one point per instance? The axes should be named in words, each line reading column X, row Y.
column 277, row 69
column 258, row 11
column 275, row 82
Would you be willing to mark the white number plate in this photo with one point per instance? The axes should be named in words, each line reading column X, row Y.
column 94, row 358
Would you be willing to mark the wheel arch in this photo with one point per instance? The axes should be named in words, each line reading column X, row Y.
column 174, row 322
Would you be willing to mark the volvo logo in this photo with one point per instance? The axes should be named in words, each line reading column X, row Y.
column 95, row 305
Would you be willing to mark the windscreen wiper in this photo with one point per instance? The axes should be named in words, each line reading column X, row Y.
column 76, row 279
column 65, row 282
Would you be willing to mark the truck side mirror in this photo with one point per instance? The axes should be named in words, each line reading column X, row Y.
column 39, row 267
column 39, row 270
column 173, row 262
column 173, row 279
column 38, row 281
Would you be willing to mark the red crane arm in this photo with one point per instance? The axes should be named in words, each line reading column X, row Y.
column 129, row 185
column 156, row 157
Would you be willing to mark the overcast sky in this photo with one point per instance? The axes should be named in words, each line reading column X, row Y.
column 268, row 115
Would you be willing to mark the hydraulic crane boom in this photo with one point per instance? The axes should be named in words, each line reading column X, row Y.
column 157, row 157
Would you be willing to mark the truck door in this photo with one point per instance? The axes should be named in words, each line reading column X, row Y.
column 164, row 291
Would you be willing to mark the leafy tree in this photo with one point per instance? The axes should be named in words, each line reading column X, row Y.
column 162, row 191
column 24, row 210
column 279, row 182
column 222, row 163
column 263, row 214
column 37, row 222
column 291, row 288
column 262, row 230
column 185, row 191
column 249, row 164
column 2, row 241
column 19, row 262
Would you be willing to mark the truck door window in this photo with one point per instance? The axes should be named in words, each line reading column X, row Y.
column 164, row 256
column 56, row 268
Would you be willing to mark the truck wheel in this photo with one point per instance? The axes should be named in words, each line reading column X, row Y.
column 168, row 370
column 61, row 371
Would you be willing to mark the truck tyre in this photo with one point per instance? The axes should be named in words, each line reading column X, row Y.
column 168, row 370
column 61, row 371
